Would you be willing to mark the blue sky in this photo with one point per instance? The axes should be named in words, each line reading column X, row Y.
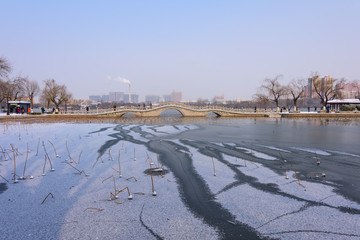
column 202, row 48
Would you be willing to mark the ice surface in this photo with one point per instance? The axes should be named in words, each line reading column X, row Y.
column 274, row 148
column 80, row 206
column 258, row 154
column 311, row 150
column 344, row 153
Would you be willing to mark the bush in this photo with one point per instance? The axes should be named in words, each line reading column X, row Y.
column 347, row 108
column 358, row 107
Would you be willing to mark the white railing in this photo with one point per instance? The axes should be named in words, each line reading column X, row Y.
column 164, row 105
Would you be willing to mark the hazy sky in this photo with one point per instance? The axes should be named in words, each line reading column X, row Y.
column 202, row 48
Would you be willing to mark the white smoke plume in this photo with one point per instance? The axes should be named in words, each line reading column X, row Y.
column 119, row 79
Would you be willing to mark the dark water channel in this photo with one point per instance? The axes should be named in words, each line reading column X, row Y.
column 304, row 141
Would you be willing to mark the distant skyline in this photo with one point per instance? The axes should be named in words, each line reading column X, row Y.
column 201, row 48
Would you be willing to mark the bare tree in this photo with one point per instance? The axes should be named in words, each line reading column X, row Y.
column 5, row 68
column 3, row 90
column 55, row 93
column 274, row 90
column 12, row 90
column 296, row 89
column 261, row 100
column 356, row 84
column 327, row 88
column 67, row 99
column 31, row 90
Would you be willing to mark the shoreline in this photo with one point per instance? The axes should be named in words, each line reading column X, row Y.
column 55, row 117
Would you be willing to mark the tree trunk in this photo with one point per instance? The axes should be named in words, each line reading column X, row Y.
column 31, row 102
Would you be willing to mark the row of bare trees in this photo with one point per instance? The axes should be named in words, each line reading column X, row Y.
column 15, row 88
column 324, row 89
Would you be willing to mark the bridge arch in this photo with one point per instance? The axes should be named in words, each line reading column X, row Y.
column 213, row 115
column 171, row 112
column 128, row 115
column 184, row 110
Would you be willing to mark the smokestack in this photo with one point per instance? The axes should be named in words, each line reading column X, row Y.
column 129, row 93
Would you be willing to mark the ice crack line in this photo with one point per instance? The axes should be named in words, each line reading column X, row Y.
column 147, row 228
column 314, row 231
column 230, row 186
column 306, row 206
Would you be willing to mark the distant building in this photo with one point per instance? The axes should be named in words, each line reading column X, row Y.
column 176, row 96
column 105, row 98
column 116, row 97
column 219, row 99
column 152, row 98
column 167, row 98
column 134, row 98
column 350, row 91
column 95, row 98
column 19, row 107
column 310, row 91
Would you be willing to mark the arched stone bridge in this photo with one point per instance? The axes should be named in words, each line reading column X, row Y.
column 185, row 110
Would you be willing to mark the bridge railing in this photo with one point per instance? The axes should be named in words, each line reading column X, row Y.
column 154, row 107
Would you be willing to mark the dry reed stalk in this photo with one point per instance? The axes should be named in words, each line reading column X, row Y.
column 113, row 180
column 119, row 202
column 47, row 155
column 129, row 195
column 37, row 150
column 120, row 175
column 17, row 152
column 12, row 147
column 297, row 177
column 317, row 160
column 132, row 178
column 3, row 152
column 56, row 155
column 80, row 156
column 97, row 159
column 148, row 157
column 151, row 176
column 252, row 159
column 244, row 158
column 27, row 154
column 110, row 157
column 47, row 197
column 70, row 158
column 152, row 185
column 213, row 165
column 80, row 171
column 43, row 174
column 8, row 156
column 4, row 178
column 150, row 160
column 99, row 209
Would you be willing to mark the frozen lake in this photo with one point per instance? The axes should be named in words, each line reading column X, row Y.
column 213, row 179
